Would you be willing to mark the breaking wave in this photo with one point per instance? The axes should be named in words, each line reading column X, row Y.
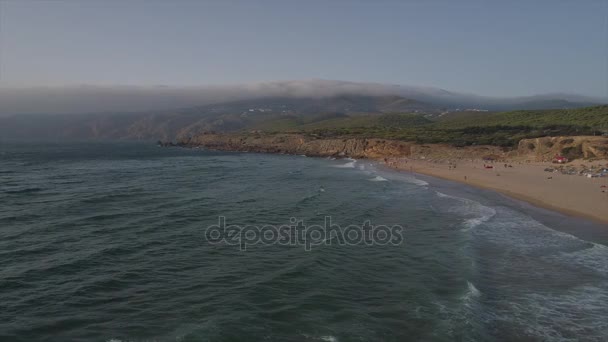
column 474, row 212
column 416, row 181
column 349, row 165
column 378, row 179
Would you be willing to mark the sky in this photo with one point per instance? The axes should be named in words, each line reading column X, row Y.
column 493, row 48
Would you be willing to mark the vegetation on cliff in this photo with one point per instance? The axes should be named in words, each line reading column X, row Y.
column 460, row 129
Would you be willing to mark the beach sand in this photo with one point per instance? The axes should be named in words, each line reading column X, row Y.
column 571, row 194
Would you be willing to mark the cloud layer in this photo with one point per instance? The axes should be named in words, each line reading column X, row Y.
column 95, row 99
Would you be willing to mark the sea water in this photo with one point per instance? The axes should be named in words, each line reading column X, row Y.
column 106, row 242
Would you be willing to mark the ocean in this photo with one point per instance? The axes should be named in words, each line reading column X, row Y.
column 117, row 242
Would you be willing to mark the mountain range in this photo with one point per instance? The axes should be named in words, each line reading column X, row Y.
column 149, row 113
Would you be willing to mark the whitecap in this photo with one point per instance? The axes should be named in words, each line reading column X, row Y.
column 349, row 165
column 416, row 181
column 328, row 338
column 442, row 195
column 472, row 292
column 524, row 234
column 378, row 179
column 486, row 214
column 469, row 208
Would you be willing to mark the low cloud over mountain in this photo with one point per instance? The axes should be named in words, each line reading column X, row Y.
column 94, row 99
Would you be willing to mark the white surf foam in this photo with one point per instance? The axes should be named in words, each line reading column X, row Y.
column 467, row 208
column 578, row 315
column 329, row 338
column 349, row 165
column 472, row 292
column 486, row 214
column 442, row 195
column 592, row 258
column 378, row 179
column 525, row 235
column 574, row 307
column 416, row 181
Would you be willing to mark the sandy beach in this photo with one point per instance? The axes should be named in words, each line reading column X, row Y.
column 571, row 194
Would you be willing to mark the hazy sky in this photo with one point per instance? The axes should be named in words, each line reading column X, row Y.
column 500, row 48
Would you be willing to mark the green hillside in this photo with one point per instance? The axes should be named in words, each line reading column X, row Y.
column 342, row 121
column 460, row 129
column 581, row 117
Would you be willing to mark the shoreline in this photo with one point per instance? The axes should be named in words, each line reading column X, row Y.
column 571, row 195
column 520, row 174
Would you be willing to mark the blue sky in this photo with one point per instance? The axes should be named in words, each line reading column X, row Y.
column 499, row 48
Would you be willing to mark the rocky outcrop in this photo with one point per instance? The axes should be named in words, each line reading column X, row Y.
column 300, row 144
column 540, row 149
column 370, row 148
column 571, row 147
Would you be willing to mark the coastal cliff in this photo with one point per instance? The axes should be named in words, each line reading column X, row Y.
column 539, row 149
column 571, row 147
column 371, row 148
column 301, row 144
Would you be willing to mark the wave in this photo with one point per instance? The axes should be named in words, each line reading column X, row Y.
column 23, row 191
column 327, row 338
column 378, row 179
column 472, row 292
column 442, row 195
column 349, row 165
column 416, row 181
column 468, row 207
column 310, row 197
column 525, row 235
column 572, row 271
column 592, row 257
column 486, row 214
column 560, row 317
